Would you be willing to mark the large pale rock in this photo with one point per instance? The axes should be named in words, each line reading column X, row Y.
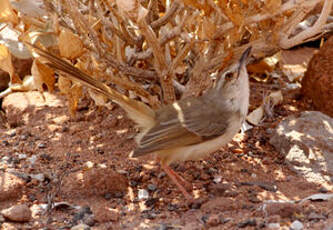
column 307, row 143
column 317, row 83
column 11, row 186
column 18, row 105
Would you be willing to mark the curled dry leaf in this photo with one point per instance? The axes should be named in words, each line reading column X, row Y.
column 7, row 13
column 6, row 60
column 64, row 85
column 43, row 75
column 70, row 45
column 74, row 96
column 73, row 92
column 7, row 65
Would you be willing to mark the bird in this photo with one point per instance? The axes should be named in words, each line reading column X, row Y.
column 188, row 129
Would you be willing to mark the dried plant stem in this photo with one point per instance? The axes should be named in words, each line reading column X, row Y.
column 291, row 4
column 161, row 65
column 309, row 33
column 169, row 14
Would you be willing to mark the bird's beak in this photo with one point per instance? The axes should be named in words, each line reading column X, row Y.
column 243, row 60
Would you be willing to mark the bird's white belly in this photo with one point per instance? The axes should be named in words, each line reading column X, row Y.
column 198, row 151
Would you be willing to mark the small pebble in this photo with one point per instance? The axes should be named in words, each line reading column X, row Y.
column 217, row 179
column 39, row 176
column 316, row 217
column 152, row 187
column 296, row 225
column 107, row 196
column 248, row 222
column 143, row 194
column 80, row 227
column 22, row 156
column 274, row 226
column 12, row 134
column 41, row 145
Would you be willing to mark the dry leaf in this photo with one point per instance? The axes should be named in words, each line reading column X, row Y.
column 99, row 99
column 70, row 45
column 44, row 75
column 64, row 84
column 6, row 60
column 7, row 13
column 255, row 117
column 133, row 9
column 74, row 96
column 7, row 65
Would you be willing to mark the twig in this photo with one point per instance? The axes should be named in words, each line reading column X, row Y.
column 306, row 35
column 169, row 14
column 291, row 4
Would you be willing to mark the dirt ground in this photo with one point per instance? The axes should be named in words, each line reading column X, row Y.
column 85, row 163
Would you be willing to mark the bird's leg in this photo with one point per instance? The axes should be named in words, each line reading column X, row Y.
column 177, row 179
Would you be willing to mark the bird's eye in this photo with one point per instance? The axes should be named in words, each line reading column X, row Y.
column 228, row 76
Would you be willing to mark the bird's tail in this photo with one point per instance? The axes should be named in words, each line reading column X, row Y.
column 139, row 112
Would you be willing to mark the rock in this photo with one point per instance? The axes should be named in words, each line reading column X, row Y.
column 316, row 217
column 213, row 220
column 105, row 214
column 307, row 143
column 248, row 222
column 11, row 186
column 296, row 225
column 317, row 83
column 15, row 104
column 18, row 213
column 39, row 176
column 285, row 210
column 143, row 194
column 273, row 226
column 8, row 226
column 94, row 182
column 80, row 227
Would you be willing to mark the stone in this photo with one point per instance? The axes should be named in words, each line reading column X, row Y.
column 93, row 182
column 105, row 214
column 11, row 186
column 17, row 104
column 274, row 226
column 282, row 209
column 296, row 225
column 80, row 227
column 317, row 83
column 307, row 143
column 17, row 213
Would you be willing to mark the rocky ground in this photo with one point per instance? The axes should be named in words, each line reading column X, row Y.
column 60, row 172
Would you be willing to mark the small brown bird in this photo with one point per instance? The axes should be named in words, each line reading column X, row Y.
column 189, row 128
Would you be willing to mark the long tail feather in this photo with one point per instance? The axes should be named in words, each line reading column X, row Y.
column 136, row 110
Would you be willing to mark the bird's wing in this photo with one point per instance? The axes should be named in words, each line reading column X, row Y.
column 185, row 122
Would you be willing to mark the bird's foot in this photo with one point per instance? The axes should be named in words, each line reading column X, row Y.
column 182, row 184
